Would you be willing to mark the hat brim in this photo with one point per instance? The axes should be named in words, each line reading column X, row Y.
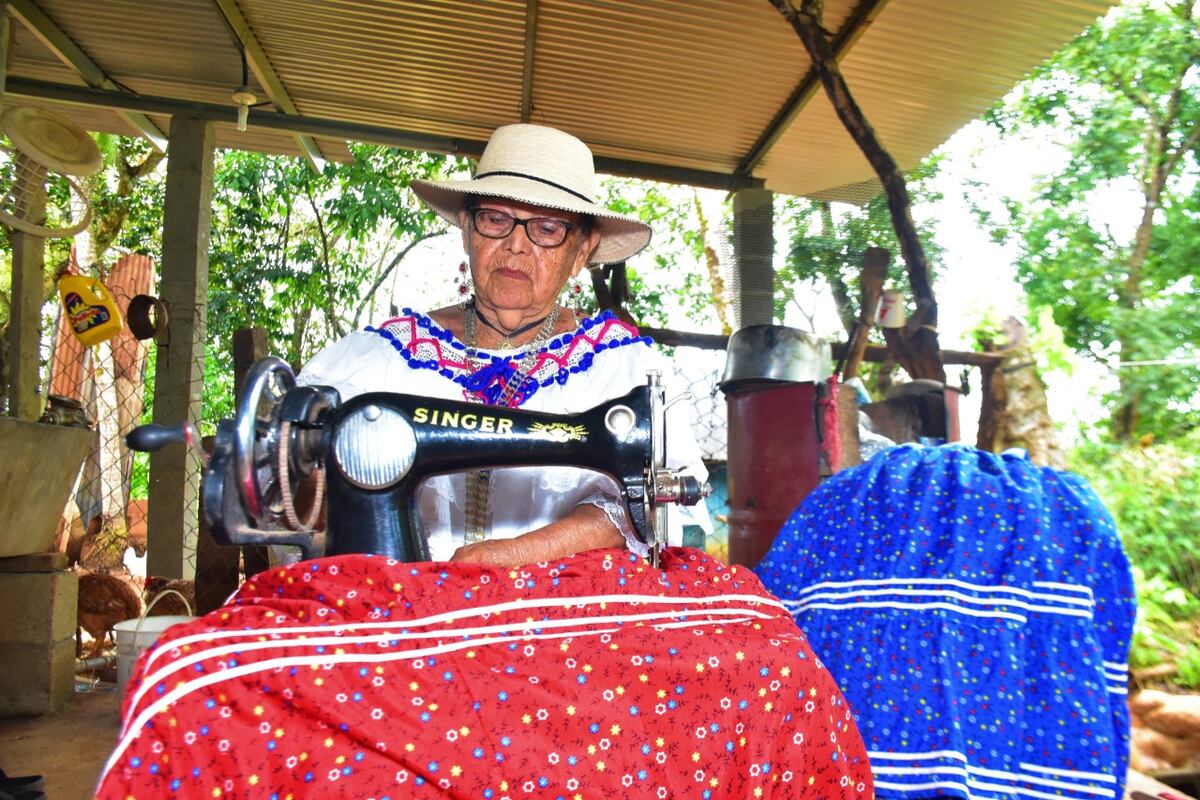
column 621, row 236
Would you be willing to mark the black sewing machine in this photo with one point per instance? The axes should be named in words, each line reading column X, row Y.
column 368, row 456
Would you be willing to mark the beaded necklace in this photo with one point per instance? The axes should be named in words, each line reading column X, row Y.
column 478, row 480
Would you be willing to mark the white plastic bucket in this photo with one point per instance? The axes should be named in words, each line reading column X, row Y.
column 136, row 635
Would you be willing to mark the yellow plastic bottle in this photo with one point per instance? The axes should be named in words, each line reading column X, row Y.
column 91, row 310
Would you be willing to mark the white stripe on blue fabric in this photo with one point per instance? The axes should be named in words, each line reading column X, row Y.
column 916, row 787
column 1117, row 677
column 1077, row 782
column 1007, row 602
column 933, row 755
column 969, row 773
column 958, row 584
column 1066, row 587
column 942, row 606
column 1069, row 773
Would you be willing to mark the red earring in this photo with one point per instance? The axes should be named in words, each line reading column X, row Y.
column 464, row 283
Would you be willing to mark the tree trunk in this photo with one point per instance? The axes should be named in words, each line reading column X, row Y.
column 920, row 335
column 1016, row 398
column 1162, row 157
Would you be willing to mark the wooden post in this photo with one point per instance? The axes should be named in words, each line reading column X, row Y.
column 5, row 47
column 870, row 282
column 174, row 496
column 216, row 565
column 28, row 293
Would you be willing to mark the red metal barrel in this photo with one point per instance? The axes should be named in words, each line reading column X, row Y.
column 774, row 462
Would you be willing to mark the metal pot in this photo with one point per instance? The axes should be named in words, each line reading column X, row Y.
column 761, row 355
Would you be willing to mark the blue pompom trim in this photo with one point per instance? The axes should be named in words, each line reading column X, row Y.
column 488, row 381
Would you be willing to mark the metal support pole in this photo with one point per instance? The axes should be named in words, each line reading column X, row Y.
column 174, row 495
column 754, row 252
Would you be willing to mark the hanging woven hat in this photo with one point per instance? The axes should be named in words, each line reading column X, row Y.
column 543, row 167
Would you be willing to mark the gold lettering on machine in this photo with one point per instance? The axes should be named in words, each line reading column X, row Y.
column 468, row 421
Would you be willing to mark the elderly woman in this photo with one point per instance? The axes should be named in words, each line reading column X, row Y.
column 549, row 661
column 528, row 226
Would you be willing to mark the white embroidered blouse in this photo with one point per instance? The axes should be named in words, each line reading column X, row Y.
column 602, row 359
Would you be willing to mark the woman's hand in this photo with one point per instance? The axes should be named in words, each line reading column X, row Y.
column 587, row 527
column 502, row 552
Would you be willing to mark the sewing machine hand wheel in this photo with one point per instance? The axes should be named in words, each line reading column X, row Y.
column 256, row 445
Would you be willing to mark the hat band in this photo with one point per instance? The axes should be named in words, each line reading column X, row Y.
column 527, row 177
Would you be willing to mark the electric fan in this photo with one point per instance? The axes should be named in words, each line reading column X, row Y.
column 43, row 145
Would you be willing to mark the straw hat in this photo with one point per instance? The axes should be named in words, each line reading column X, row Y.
column 544, row 167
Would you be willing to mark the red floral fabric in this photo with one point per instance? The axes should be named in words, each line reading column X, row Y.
column 594, row 677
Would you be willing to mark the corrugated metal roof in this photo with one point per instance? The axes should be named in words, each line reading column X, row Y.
column 675, row 84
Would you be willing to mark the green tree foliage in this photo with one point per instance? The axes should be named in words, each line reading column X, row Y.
column 300, row 254
column 1153, row 493
column 827, row 243
column 294, row 252
column 1123, row 101
column 672, row 256
column 127, row 197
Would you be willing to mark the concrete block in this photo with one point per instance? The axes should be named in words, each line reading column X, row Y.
column 34, row 562
column 36, row 678
column 38, row 608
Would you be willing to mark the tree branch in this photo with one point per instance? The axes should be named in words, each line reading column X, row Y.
column 334, row 323
column 923, row 337
column 837, row 284
column 386, row 271
column 1173, row 159
column 713, row 262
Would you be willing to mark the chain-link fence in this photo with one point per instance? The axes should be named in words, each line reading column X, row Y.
column 110, row 386
column 103, row 386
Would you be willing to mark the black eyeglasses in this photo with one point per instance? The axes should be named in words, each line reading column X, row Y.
column 542, row 231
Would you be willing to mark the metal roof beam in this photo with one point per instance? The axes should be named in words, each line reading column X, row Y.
column 531, row 21
column 337, row 129
column 856, row 24
column 260, row 65
column 70, row 54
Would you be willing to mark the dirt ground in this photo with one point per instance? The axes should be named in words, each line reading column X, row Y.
column 68, row 749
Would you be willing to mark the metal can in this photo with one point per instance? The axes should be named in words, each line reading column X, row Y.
column 891, row 310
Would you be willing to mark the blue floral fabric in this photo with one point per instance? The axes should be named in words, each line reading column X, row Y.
column 976, row 611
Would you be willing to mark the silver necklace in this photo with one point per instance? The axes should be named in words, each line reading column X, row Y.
column 478, row 480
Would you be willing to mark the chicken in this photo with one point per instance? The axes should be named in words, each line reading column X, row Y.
column 1165, row 730
column 104, row 600
column 170, row 604
column 100, row 547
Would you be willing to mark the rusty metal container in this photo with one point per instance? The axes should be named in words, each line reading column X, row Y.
column 771, row 377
